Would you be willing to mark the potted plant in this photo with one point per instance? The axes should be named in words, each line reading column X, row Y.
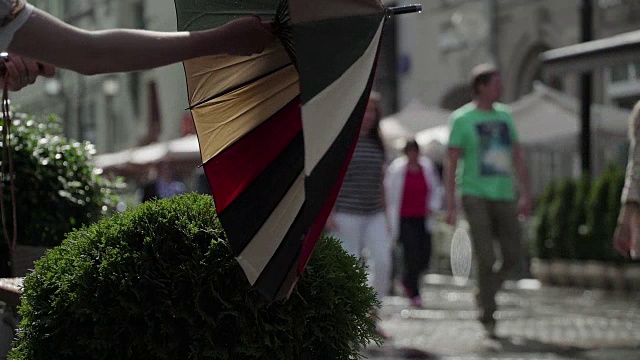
column 57, row 189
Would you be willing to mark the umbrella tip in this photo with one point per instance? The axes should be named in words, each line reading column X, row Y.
column 406, row 9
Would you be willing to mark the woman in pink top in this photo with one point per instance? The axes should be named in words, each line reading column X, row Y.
column 414, row 192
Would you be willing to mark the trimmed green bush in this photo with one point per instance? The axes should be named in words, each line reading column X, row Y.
column 543, row 247
column 616, row 185
column 603, row 208
column 579, row 232
column 57, row 187
column 159, row 282
column 559, row 223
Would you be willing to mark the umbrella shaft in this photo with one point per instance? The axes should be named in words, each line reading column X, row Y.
column 408, row 9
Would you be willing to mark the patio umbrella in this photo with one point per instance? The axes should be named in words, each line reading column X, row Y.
column 277, row 130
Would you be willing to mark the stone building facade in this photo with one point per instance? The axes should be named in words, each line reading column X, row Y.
column 425, row 56
column 450, row 36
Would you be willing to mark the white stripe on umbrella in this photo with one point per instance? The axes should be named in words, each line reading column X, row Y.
column 324, row 116
column 256, row 255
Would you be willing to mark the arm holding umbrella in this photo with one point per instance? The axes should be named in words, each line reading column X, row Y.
column 39, row 42
column 49, row 40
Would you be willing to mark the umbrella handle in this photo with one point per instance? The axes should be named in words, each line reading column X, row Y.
column 3, row 68
column 407, row 9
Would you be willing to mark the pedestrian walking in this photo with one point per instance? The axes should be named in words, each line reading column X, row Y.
column 162, row 184
column 37, row 42
column 625, row 238
column 484, row 151
column 414, row 193
column 359, row 216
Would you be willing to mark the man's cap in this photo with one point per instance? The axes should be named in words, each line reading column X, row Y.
column 480, row 70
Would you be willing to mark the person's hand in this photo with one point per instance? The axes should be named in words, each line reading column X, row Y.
column 625, row 237
column 525, row 205
column 20, row 71
column 248, row 35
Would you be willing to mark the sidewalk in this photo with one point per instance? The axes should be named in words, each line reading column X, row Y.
column 533, row 323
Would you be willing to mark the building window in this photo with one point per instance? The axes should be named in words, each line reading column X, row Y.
column 139, row 21
column 619, row 73
column 449, row 38
column 623, row 83
column 636, row 69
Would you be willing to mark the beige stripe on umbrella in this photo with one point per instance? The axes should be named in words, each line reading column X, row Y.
column 222, row 121
column 324, row 116
column 256, row 255
column 304, row 11
column 212, row 75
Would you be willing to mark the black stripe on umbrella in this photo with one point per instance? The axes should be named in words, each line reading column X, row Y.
column 244, row 217
column 333, row 57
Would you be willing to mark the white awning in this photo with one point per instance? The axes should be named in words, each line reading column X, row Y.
column 547, row 115
column 181, row 149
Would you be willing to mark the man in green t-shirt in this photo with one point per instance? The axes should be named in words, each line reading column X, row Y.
column 484, row 153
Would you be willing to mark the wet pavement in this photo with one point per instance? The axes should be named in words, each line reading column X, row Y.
column 533, row 323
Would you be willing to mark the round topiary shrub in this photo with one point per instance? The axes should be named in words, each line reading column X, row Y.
column 160, row 282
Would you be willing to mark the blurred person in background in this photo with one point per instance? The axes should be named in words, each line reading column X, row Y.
column 359, row 218
column 162, row 184
column 485, row 153
column 414, row 193
column 625, row 238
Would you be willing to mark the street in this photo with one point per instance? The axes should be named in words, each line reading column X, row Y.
column 533, row 323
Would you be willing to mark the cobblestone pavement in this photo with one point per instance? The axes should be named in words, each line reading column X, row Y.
column 533, row 323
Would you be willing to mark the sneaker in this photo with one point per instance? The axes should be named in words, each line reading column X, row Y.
column 490, row 329
column 384, row 335
column 405, row 290
column 416, row 301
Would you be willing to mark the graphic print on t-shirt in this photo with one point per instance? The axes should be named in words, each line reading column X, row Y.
column 495, row 149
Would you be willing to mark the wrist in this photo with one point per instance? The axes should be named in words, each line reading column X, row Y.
column 220, row 39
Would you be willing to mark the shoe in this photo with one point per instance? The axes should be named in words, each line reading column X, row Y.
column 384, row 335
column 490, row 329
column 416, row 301
column 405, row 290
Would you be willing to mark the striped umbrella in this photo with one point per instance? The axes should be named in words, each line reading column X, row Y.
column 277, row 130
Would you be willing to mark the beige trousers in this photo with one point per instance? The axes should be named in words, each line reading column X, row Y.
column 493, row 224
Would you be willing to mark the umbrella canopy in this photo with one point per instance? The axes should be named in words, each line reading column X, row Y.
column 276, row 137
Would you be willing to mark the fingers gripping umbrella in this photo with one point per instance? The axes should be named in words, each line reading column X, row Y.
column 277, row 130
